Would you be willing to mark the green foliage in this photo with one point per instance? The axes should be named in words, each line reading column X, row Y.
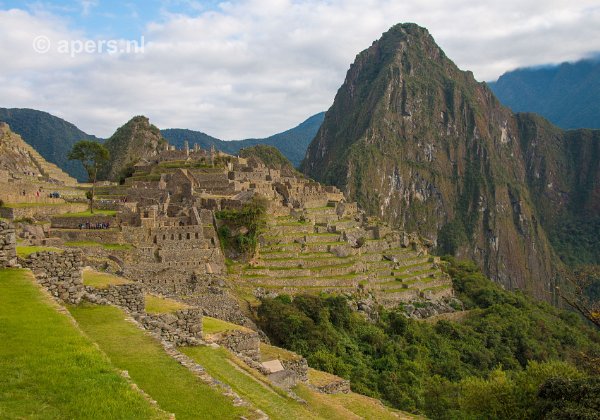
column 575, row 239
column 507, row 346
column 240, row 228
column 451, row 236
column 51, row 136
column 92, row 156
column 271, row 157
column 561, row 398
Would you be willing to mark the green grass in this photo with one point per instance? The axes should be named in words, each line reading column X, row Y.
column 269, row 352
column 352, row 405
column 25, row 251
column 213, row 326
column 173, row 386
column 110, row 247
column 26, row 205
column 249, row 384
column 102, row 280
column 49, row 369
column 87, row 213
column 160, row 305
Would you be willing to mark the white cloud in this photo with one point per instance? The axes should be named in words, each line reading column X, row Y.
column 255, row 67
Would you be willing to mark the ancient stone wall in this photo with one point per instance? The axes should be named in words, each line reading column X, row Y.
column 299, row 367
column 181, row 328
column 107, row 236
column 40, row 212
column 129, row 296
column 246, row 343
column 59, row 272
column 8, row 243
column 74, row 222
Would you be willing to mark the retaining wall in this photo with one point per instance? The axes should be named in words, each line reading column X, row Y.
column 8, row 243
column 59, row 272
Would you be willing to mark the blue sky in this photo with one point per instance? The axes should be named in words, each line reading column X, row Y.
column 113, row 18
column 250, row 68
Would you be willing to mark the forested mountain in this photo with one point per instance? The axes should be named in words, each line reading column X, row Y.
column 566, row 94
column 51, row 136
column 426, row 147
column 292, row 143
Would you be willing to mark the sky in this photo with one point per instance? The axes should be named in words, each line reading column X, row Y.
column 251, row 68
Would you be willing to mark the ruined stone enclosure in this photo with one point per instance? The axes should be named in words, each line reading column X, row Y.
column 314, row 241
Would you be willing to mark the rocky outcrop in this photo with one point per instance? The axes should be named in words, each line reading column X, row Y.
column 138, row 139
column 427, row 148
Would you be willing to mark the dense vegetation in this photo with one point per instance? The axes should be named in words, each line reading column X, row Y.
column 566, row 94
column 491, row 363
column 239, row 228
column 51, row 136
column 292, row 143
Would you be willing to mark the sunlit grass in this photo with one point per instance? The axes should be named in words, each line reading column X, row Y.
column 101, row 280
column 49, row 369
column 159, row 305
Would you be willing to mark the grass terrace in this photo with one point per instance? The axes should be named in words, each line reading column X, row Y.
column 109, row 247
column 161, row 305
column 176, row 389
column 25, row 251
column 214, row 326
column 101, row 280
column 268, row 352
column 50, row 369
column 87, row 213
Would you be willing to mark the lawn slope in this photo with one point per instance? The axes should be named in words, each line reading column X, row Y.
column 49, row 369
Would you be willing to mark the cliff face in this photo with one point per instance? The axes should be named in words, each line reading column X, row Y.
column 426, row 147
column 133, row 141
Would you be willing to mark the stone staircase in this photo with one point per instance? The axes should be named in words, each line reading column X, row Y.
column 311, row 252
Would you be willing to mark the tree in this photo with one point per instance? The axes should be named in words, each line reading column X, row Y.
column 92, row 156
column 582, row 291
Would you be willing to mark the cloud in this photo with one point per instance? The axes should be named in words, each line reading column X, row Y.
column 87, row 6
column 255, row 67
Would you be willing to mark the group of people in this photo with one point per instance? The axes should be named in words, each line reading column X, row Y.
column 99, row 225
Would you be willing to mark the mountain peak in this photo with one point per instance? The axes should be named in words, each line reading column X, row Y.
column 136, row 139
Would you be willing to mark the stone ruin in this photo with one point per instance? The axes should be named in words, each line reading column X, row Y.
column 8, row 243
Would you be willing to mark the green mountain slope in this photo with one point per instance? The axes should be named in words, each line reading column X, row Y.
column 426, row 147
column 51, row 136
column 292, row 143
column 566, row 94
column 135, row 140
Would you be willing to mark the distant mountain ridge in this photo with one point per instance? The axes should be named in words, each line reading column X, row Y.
column 51, row 136
column 54, row 137
column 291, row 143
column 567, row 94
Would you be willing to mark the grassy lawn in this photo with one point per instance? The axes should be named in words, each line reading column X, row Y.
column 269, row 352
column 88, row 213
column 25, row 251
column 349, row 405
column 101, row 280
column 110, row 247
column 213, row 326
column 26, row 205
column 173, row 386
column 221, row 365
column 49, row 369
column 160, row 305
